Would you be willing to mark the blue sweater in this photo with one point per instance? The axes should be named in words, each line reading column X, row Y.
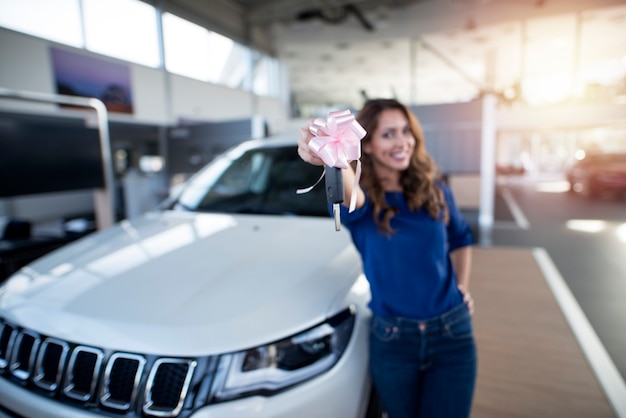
column 409, row 271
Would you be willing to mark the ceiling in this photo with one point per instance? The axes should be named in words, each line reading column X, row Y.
column 339, row 52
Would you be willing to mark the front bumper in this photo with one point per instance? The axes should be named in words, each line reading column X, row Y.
column 341, row 392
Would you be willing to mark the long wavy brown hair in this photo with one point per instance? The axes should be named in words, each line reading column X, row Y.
column 417, row 181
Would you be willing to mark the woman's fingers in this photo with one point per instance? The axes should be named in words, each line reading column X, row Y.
column 304, row 151
column 467, row 298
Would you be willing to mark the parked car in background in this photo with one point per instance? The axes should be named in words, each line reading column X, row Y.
column 598, row 173
column 238, row 298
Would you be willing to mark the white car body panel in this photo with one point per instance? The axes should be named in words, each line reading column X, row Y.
column 183, row 284
column 187, row 311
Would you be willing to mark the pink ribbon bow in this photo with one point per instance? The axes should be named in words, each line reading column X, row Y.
column 337, row 140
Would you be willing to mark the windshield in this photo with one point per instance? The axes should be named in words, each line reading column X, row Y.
column 261, row 180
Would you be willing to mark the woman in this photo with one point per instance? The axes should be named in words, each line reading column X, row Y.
column 416, row 252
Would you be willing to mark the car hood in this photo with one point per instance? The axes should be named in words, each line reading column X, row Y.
column 179, row 283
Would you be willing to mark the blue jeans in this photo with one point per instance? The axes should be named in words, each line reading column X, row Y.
column 424, row 368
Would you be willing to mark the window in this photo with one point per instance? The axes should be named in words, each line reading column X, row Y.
column 230, row 64
column 186, row 47
column 58, row 20
column 125, row 29
column 195, row 52
column 128, row 30
column 266, row 76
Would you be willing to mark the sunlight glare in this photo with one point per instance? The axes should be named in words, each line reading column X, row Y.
column 580, row 154
column 553, row 186
column 58, row 21
column 549, row 89
column 620, row 231
column 124, row 29
column 592, row 226
column 187, row 47
column 61, row 269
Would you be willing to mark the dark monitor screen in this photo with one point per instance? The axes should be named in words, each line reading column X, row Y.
column 43, row 157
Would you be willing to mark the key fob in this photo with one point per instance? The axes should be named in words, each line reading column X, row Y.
column 333, row 178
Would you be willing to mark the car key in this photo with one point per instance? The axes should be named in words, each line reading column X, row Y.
column 334, row 191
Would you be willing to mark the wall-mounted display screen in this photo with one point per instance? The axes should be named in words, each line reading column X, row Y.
column 42, row 157
column 81, row 75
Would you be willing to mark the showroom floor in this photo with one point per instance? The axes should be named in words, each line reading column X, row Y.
column 530, row 363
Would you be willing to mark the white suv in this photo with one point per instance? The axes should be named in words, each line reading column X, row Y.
column 237, row 299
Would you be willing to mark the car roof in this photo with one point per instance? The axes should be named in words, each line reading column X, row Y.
column 276, row 141
column 272, row 141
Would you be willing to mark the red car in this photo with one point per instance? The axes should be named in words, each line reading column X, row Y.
column 598, row 173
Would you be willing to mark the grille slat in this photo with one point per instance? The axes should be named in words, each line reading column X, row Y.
column 7, row 339
column 167, row 387
column 82, row 373
column 121, row 381
column 24, row 354
column 50, row 364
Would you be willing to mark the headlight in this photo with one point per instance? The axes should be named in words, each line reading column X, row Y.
column 273, row 367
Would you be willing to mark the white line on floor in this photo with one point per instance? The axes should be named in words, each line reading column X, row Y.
column 516, row 211
column 608, row 376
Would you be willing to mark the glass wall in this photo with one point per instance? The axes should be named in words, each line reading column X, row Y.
column 59, row 21
column 129, row 30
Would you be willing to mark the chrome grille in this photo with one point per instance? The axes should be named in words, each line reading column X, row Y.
column 93, row 378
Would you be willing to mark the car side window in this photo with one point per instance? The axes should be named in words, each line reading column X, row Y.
column 246, row 174
column 260, row 181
